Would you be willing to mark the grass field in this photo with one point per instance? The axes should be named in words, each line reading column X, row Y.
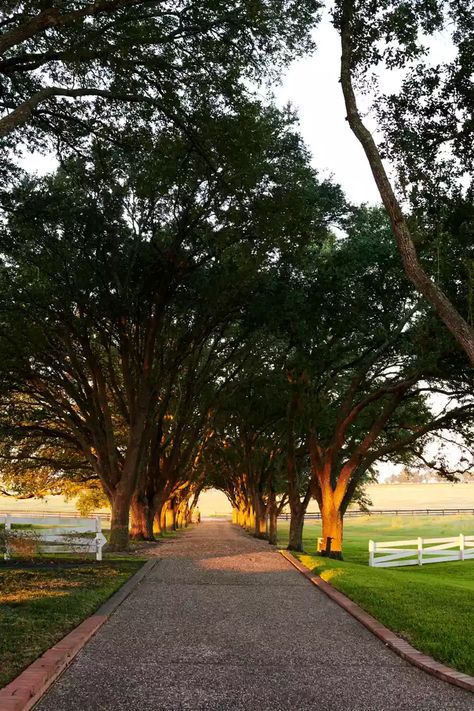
column 43, row 599
column 431, row 606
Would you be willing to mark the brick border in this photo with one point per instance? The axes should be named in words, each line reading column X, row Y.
column 27, row 689
column 395, row 643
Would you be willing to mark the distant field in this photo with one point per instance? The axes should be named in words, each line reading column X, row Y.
column 413, row 496
column 49, row 503
column 383, row 496
column 211, row 503
column 430, row 606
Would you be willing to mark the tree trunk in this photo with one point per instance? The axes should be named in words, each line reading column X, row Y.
column 249, row 519
column 179, row 518
column 273, row 526
column 185, row 515
column 143, row 514
column 332, row 524
column 295, row 542
column 272, row 518
column 169, row 518
column 161, row 518
column 119, row 537
column 297, row 506
column 260, row 523
column 157, row 524
column 260, row 526
column 174, row 516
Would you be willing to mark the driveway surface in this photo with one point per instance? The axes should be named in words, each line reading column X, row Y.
column 224, row 623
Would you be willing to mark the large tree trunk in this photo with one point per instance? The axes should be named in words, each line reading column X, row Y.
column 160, row 518
column 332, row 525
column 159, row 509
column 119, row 521
column 273, row 528
column 126, row 487
column 249, row 519
column 260, row 524
column 169, row 518
column 297, row 506
column 143, row 513
column 272, row 517
column 174, row 515
column 295, row 541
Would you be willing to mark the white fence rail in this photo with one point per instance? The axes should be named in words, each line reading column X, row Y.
column 419, row 551
column 59, row 534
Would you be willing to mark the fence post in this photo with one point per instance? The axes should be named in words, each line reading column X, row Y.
column 8, row 526
column 461, row 546
column 420, row 551
column 98, row 544
column 372, row 547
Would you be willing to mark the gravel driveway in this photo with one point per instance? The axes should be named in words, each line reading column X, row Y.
column 224, row 622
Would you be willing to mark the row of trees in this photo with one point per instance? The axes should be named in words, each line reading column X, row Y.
column 184, row 303
column 125, row 279
column 354, row 372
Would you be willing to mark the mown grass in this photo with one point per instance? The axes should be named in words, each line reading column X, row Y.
column 43, row 599
column 430, row 606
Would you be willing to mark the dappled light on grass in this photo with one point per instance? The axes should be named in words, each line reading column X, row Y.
column 328, row 569
column 330, row 575
column 22, row 588
column 27, row 595
column 42, row 600
column 307, row 560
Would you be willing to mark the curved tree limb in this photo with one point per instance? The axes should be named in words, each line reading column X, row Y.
column 452, row 319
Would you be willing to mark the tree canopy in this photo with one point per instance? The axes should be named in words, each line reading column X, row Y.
column 185, row 302
column 78, row 66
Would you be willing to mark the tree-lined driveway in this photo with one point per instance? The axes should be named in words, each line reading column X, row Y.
column 223, row 622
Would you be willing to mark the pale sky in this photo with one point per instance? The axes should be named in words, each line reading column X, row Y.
column 312, row 86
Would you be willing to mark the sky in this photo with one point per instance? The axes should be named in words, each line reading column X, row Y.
column 312, row 86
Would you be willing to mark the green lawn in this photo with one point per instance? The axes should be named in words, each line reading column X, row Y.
column 431, row 606
column 43, row 599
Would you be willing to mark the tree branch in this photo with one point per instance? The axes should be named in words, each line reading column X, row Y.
column 452, row 319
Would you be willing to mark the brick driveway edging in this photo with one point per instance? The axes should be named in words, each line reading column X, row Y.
column 397, row 644
column 26, row 690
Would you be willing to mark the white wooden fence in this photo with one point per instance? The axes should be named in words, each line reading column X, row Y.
column 59, row 534
column 419, row 551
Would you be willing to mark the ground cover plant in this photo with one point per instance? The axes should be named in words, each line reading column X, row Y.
column 43, row 599
column 430, row 606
